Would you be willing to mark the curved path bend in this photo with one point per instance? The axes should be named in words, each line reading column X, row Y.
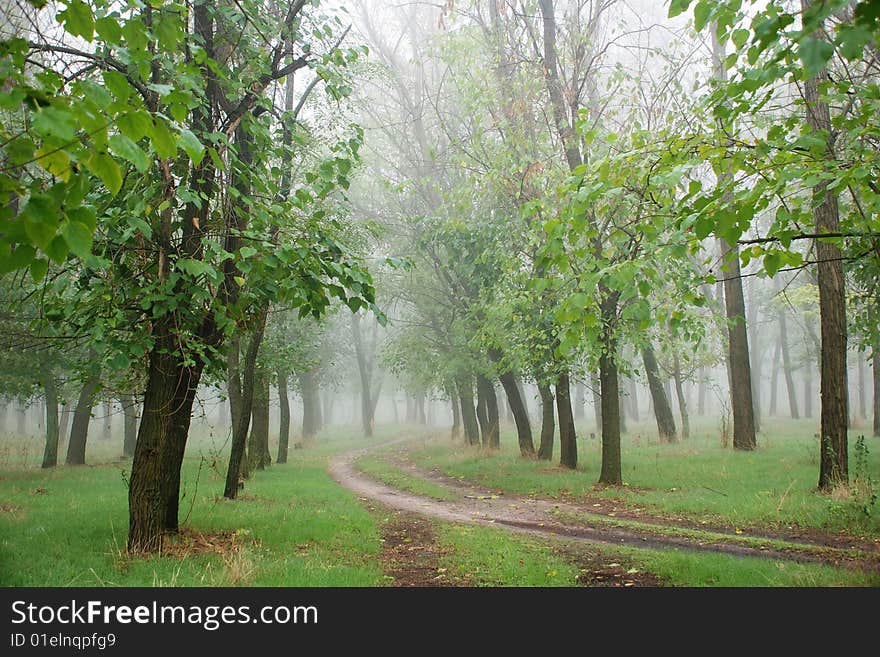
column 539, row 517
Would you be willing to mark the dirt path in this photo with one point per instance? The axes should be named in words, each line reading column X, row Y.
column 552, row 518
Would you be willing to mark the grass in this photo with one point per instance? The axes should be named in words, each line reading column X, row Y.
column 773, row 486
column 296, row 527
column 495, row 557
column 388, row 473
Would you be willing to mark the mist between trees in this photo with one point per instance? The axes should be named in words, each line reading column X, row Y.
column 240, row 220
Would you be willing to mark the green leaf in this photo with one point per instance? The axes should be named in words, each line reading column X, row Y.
column 78, row 19
column 78, row 238
column 772, row 263
column 118, row 85
column 109, row 30
column 86, row 215
column 105, row 167
column 815, row 53
column 126, row 149
column 702, row 11
column 740, row 37
column 40, row 216
column 135, row 124
column 163, row 139
column 677, row 7
column 55, row 122
column 193, row 147
column 39, row 267
column 57, row 250
column 55, row 161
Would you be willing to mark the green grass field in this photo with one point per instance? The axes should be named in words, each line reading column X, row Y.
column 775, row 485
column 294, row 526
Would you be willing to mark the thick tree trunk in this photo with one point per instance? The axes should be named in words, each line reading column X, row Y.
column 787, row 368
column 50, row 453
column 258, row 443
column 486, row 391
column 608, row 380
column 153, row 493
column 662, row 410
column 468, row 412
column 309, row 392
column 520, row 414
column 66, row 413
column 79, row 430
column 833, row 465
column 682, row 400
column 568, row 455
column 284, row 423
column 129, row 433
column 548, row 424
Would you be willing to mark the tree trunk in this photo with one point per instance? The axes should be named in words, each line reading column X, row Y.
column 738, row 364
column 568, row 455
column 634, row 399
column 608, row 380
column 862, row 392
column 774, row 378
column 755, row 358
column 456, row 417
column 107, row 420
column 662, row 410
column 482, row 416
column 237, row 468
column 786, row 367
column 520, row 414
column 701, row 392
column 808, row 392
column 79, row 431
column 578, row 400
column 833, row 465
column 548, row 424
column 365, row 376
column 129, row 434
column 66, row 413
column 308, row 389
column 621, row 404
column 682, row 400
column 596, row 382
column 258, row 443
column 284, row 424
column 875, row 367
column 420, row 408
column 486, row 390
column 468, row 413
column 50, row 454
column 154, row 487
column 233, row 383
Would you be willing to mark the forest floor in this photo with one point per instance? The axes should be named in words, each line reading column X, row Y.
column 582, row 521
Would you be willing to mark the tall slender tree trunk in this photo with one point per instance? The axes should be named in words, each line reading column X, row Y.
column 579, row 400
column 284, row 422
column 468, row 412
column 548, row 424
column 482, row 415
column 738, row 363
column 568, row 455
column 875, row 370
column 311, row 407
column 774, row 378
column 596, row 384
column 66, row 413
column 456, row 417
column 755, row 356
column 787, row 367
column 833, row 465
column 486, row 390
column 862, row 383
column 129, row 431
column 238, row 464
column 520, row 414
column 662, row 410
column 634, row 399
column 50, row 453
column 682, row 400
column 808, row 392
column 365, row 376
column 79, row 430
column 701, row 392
column 233, row 382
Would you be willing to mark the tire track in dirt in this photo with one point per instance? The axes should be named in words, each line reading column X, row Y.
column 536, row 517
